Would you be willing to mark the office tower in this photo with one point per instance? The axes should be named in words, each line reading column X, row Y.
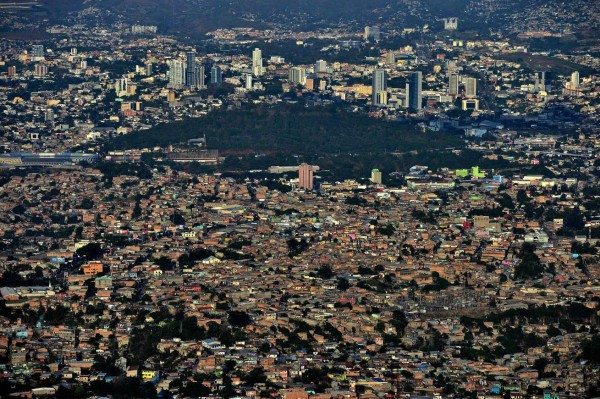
column 121, row 86
column 200, row 76
column 38, row 51
column 322, row 84
column 372, row 33
column 575, row 80
column 471, row 87
column 149, row 68
column 453, row 84
column 542, row 80
column 414, row 98
column 297, row 75
column 321, row 66
column 41, row 70
column 305, row 173
column 191, row 71
column 257, row 62
column 376, row 176
column 450, row 23
column 197, row 76
column 310, row 84
column 216, row 75
column 12, row 70
column 248, row 78
column 177, row 72
column 379, row 87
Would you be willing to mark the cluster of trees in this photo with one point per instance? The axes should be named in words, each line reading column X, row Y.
column 530, row 266
column 290, row 129
column 144, row 341
column 296, row 247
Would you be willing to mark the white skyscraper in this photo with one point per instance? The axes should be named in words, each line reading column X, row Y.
column 177, row 71
column 575, row 80
column 297, row 75
column 248, row 81
column 321, row 66
column 379, row 87
column 257, row 62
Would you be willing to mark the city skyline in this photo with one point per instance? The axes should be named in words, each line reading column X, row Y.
column 330, row 199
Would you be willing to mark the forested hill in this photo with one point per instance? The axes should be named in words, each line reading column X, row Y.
column 290, row 129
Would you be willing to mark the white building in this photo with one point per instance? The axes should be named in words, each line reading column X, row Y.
column 297, row 75
column 257, row 62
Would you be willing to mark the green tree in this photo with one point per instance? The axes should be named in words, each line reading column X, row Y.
column 343, row 284
column 530, row 266
column 325, row 272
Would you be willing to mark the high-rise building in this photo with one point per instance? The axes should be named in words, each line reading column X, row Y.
column 372, row 33
column 191, row 72
column 453, row 84
column 379, row 88
column 414, row 84
column 200, row 76
column 248, row 79
column 12, row 70
column 305, row 176
column 321, row 66
column 376, row 176
column 257, row 62
column 177, row 73
column 73, row 50
column 41, row 70
column 471, row 87
column 414, row 87
column 575, row 80
column 121, row 86
column 297, row 75
column 199, row 79
column 38, row 51
column 216, row 75
column 542, row 80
